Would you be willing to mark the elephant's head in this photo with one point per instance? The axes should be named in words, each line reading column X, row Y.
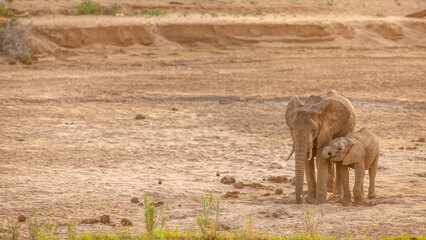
column 312, row 125
column 344, row 149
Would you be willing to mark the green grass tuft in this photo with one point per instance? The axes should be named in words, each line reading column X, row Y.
column 89, row 7
column 153, row 12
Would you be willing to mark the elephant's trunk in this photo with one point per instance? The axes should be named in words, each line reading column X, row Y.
column 327, row 152
column 301, row 155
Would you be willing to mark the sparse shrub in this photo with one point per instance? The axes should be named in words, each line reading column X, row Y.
column 15, row 41
column 185, row 13
column 330, row 2
column 38, row 231
column 153, row 12
column 10, row 231
column 71, row 232
column 4, row 11
column 213, row 14
column 257, row 11
column 9, row 1
column 88, row 7
column 153, row 217
column 206, row 221
column 113, row 9
column 312, row 221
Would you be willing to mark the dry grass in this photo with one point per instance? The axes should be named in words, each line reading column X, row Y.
column 15, row 41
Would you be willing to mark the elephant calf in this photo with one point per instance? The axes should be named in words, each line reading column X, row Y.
column 360, row 151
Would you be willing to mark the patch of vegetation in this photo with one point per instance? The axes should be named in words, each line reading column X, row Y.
column 312, row 221
column 153, row 12
column 15, row 41
column 4, row 11
column 330, row 2
column 40, row 231
column 213, row 14
column 207, row 222
column 153, row 216
column 9, row 1
column 113, row 9
column 185, row 13
column 88, row 7
column 257, row 11
column 10, row 231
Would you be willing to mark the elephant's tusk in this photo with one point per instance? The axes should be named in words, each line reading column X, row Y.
column 310, row 155
column 289, row 156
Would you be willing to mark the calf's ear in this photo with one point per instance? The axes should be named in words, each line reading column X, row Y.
column 355, row 153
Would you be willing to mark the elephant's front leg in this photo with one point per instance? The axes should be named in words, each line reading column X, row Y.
column 322, row 176
column 310, row 178
column 339, row 188
column 359, row 179
column 344, row 174
column 330, row 177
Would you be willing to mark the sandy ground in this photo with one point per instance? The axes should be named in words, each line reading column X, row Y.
column 71, row 148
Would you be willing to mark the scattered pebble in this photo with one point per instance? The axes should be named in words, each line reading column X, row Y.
column 134, row 200
column 217, row 173
column 233, row 194
column 239, row 185
column 227, row 180
column 157, row 204
column 160, row 181
column 174, row 109
column 279, row 191
column 140, row 117
column 22, row 218
column 105, row 219
column 278, row 179
column 90, row 221
column 422, row 139
column 126, row 222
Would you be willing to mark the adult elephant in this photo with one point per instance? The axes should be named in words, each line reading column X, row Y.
column 313, row 125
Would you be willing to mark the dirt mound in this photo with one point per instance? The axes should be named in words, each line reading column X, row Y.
column 133, row 31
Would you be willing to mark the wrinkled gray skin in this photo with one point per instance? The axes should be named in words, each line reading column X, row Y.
column 360, row 151
column 312, row 126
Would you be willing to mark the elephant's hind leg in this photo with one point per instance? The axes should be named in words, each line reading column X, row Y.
column 372, row 175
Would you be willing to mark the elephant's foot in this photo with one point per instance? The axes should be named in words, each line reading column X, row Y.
column 371, row 195
column 346, row 200
column 310, row 198
column 359, row 199
column 320, row 199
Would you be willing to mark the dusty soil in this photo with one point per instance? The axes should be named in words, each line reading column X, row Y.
column 88, row 128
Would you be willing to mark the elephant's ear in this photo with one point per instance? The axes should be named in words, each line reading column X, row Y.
column 289, row 113
column 334, row 115
column 355, row 153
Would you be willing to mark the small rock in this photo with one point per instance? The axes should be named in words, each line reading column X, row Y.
column 105, row 219
column 157, row 204
column 174, row 109
column 401, row 148
column 266, row 194
column 239, row 185
column 126, row 222
column 179, row 205
column 90, row 220
column 276, row 215
column 279, row 191
column 140, row 117
column 217, row 173
column 227, row 180
column 22, row 218
column 134, row 200
column 140, row 204
column 233, row 194
column 160, row 181
column 421, row 139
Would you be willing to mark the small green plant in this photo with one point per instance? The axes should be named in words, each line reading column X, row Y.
column 71, row 232
column 113, row 9
column 4, row 11
column 330, row 2
column 207, row 223
column 312, row 221
column 257, row 11
column 88, row 7
column 213, row 14
column 153, row 12
column 9, row 1
column 185, row 13
column 153, row 217
column 38, row 230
